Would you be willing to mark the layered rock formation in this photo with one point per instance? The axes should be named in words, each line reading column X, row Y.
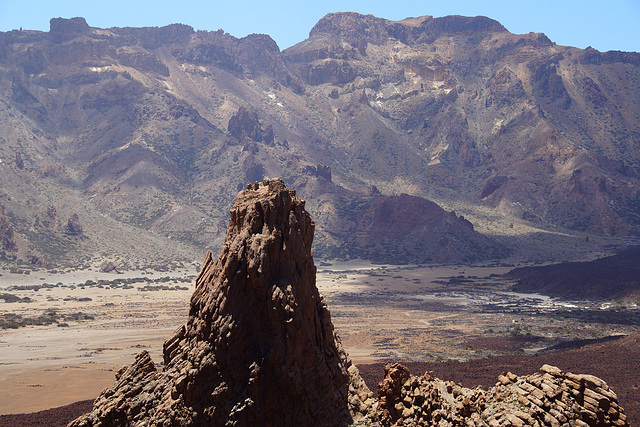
column 547, row 398
column 258, row 348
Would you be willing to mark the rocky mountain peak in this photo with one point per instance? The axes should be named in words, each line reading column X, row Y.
column 259, row 347
column 454, row 108
column 351, row 27
column 61, row 29
column 464, row 24
column 153, row 37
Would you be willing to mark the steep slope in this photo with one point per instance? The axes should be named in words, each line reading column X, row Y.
column 155, row 129
column 539, row 131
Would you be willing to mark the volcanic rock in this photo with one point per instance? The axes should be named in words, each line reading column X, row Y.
column 61, row 29
column 259, row 347
column 133, row 121
column 390, row 228
column 549, row 397
column 612, row 277
column 318, row 171
column 245, row 124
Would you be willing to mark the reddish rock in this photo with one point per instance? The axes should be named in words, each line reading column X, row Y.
column 259, row 347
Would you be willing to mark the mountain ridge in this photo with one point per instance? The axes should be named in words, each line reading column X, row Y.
column 138, row 125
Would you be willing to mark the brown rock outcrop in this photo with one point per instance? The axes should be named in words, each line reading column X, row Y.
column 74, row 227
column 550, row 397
column 245, row 124
column 258, row 348
column 7, row 239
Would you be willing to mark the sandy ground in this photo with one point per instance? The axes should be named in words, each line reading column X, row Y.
column 380, row 312
column 83, row 356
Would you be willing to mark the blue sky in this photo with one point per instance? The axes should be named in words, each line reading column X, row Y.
column 604, row 25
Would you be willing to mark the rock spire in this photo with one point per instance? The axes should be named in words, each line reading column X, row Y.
column 259, row 347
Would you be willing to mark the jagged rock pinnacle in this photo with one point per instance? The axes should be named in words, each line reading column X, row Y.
column 259, row 347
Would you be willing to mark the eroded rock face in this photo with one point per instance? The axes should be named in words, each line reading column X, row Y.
column 245, row 124
column 74, row 227
column 550, row 397
column 259, row 347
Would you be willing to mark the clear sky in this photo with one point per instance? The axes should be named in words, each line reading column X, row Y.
column 604, row 25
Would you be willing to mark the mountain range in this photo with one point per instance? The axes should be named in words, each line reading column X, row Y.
column 130, row 144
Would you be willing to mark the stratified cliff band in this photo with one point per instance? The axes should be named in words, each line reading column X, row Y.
column 259, row 349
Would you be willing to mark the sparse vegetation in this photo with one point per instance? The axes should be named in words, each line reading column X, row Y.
column 15, row 321
column 14, row 298
column 162, row 288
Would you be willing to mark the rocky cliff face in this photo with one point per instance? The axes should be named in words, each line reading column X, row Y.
column 259, row 347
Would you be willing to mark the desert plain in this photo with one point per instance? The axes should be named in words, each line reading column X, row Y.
column 97, row 321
